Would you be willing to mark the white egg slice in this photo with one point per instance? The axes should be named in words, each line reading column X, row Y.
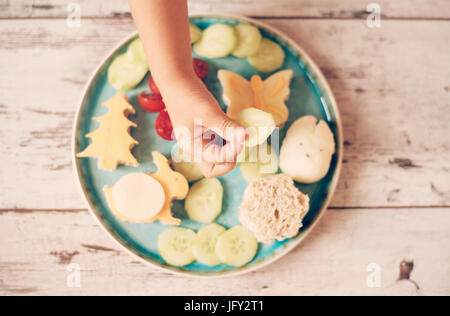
column 138, row 196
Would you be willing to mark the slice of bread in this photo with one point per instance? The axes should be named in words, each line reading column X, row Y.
column 273, row 208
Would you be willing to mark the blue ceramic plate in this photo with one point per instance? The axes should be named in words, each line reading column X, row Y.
column 310, row 95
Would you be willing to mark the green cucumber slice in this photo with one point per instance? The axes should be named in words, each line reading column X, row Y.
column 204, row 201
column 196, row 33
column 124, row 74
column 270, row 57
column 249, row 39
column 136, row 52
column 259, row 125
column 268, row 160
column 237, row 246
column 174, row 245
column 250, row 171
column 204, row 244
column 217, row 41
column 262, row 162
column 184, row 166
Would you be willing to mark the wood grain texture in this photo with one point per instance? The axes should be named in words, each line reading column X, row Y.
column 355, row 9
column 37, row 247
column 391, row 84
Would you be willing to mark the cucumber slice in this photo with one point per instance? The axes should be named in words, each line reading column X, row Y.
column 174, row 245
column 265, row 157
column 250, row 171
column 184, row 166
column 243, row 156
column 136, row 52
column 218, row 41
column 124, row 74
column 196, row 33
column 204, row 244
column 259, row 125
column 262, row 162
column 204, row 201
column 249, row 39
column 189, row 170
column 237, row 246
column 270, row 57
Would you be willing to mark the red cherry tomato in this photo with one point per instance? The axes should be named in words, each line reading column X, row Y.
column 164, row 126
column 153, row 86
column 200, row 67
column 151, row 102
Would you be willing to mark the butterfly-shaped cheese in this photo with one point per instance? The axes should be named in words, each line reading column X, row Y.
column 269, row 95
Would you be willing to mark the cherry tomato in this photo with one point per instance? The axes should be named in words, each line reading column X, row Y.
column 151, row 102
column 200, row 67
column 153, row 86
column 164, row 126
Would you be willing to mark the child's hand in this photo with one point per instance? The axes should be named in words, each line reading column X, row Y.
column 164, row 30
column 197, row 118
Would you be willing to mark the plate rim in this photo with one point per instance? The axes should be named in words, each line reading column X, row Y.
column 264, row 262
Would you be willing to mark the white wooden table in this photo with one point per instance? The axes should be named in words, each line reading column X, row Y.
column 392, row 85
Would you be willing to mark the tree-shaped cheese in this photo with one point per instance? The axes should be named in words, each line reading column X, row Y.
column 112, row 142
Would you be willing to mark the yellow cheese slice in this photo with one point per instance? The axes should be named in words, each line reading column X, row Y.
column 135, row 198
column 174, row 184
column 269, row 95
column 111, row 142
column 237, row 93
column 275, row 94
column 174, row 187
column 138, row 196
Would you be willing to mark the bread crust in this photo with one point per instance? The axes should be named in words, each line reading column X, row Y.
column 273, row 208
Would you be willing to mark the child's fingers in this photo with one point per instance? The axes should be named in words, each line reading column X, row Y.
column 226, row 128
column 203, row 144
column 208, row 147
column 221, row 154
column 215, row 151
column 212, row 170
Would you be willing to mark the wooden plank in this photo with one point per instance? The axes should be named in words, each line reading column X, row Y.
column 37, row 247
column 391, row 84
column 437, row 9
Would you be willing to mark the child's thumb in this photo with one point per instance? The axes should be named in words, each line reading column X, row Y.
column 226, row 128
